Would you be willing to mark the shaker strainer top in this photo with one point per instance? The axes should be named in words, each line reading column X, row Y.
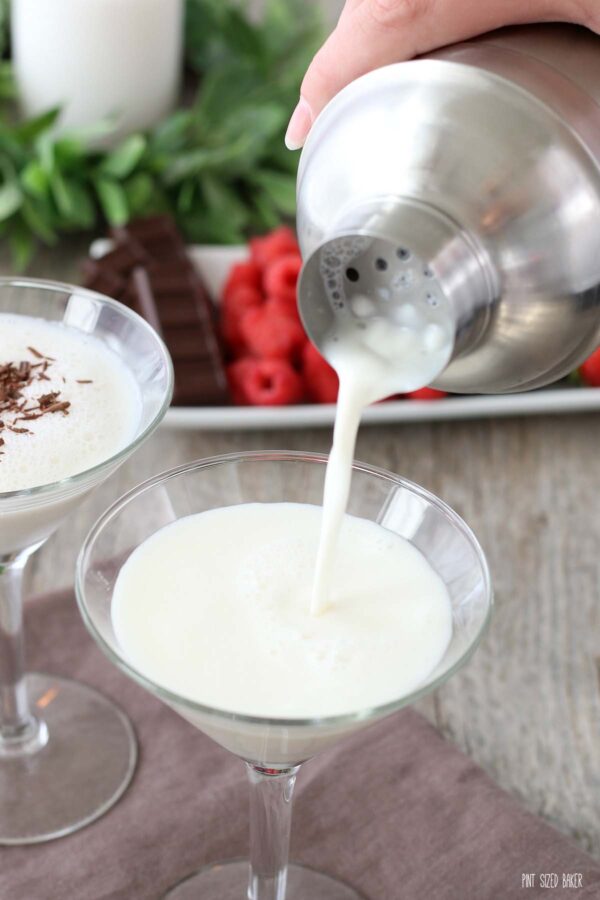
column 384, row 294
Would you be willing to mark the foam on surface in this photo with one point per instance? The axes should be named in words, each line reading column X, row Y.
column 215, row 607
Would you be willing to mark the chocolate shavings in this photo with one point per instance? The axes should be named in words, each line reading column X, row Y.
column 14, row 378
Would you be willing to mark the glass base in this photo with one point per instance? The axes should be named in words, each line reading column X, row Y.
column 79, row 769
column 229, row 881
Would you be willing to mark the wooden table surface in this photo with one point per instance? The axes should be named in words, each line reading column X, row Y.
column 527, row 707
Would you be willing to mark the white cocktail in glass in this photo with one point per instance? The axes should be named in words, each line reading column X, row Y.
column 273, row 746
column 83, row 381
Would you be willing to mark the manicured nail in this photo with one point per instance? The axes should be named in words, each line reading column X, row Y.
column 299, row 125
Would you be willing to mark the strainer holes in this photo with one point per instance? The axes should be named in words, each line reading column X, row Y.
column 381, row 264
column 403, row 254
column 352, row 274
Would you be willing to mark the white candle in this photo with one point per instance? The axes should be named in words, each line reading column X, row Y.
column 98, row 59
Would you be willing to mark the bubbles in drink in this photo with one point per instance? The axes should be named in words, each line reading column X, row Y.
column 407, row 314
column 403, row 279
column 363, row 306
column 433, row 337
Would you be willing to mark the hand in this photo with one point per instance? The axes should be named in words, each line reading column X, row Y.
column 374, row 33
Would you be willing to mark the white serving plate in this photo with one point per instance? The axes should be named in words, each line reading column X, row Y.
column 214, row 263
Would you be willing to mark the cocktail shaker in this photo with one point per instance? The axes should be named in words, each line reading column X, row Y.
column 466, row 182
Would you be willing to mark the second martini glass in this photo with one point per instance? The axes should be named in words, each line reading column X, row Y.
column 66, row 752
column 272, row 748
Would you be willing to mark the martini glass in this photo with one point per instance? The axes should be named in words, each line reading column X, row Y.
column 273, row 749
column 66, row 752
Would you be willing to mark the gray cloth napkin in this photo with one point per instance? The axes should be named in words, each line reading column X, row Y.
column 396, row 810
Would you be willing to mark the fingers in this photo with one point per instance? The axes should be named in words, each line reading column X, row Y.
column 358, row 44
column 374, row 33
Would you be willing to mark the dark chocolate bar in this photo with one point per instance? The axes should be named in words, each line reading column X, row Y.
column 158, row 236
column 118, row 261
column 149, row 270
column 190, row 337
column 105, row 282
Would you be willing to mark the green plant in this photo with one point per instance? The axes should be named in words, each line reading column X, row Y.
column 218, row 165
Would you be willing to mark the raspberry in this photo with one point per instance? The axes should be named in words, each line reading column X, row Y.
column 590, row 370
column 284, row 306
column 320, row 379
column 281, row 276
column 270, row 334
column 264, row 382
column 240, row 299
column 237, row 376
column 265, row 249
column 231, row 335
column 426, row 393
column 246, row 273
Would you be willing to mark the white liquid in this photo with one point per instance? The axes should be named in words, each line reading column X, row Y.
column 98, row 59
column 372, row 362
column 103, row 416
column 215, row 608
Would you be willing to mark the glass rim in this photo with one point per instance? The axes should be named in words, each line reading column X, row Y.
column 73, row 480
column 172, row 698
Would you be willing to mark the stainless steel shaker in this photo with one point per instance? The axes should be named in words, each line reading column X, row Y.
column 467, row 181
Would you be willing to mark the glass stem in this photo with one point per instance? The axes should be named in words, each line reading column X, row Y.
column 271, row 792
column 18, row 727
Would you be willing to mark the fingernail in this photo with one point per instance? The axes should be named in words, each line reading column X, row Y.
column 299, row 126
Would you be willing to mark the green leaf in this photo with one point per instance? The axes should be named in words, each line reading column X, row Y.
column 193, row 162
column 283, row 20
column 10, row 146
column 185, row 196
column 73, row 201
column 246, row 139
column 224, row 201
column 227, row 89
column 7, row 82
column 4, row 25
column 69, row 153
column 10, row 199
column 280, row 188
column 62, row 196
column 143, row 195
column 32, row 128
column 35, row 179
column 201, row 226
column 122, row 161
column 83, row 204
column 44, row 147
column 170, row 135
column 243, row 38
column 22, row 245
column 113, row 201
column 38, row 221
column 280, row 159
column 265, row 215
column 94, row 134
